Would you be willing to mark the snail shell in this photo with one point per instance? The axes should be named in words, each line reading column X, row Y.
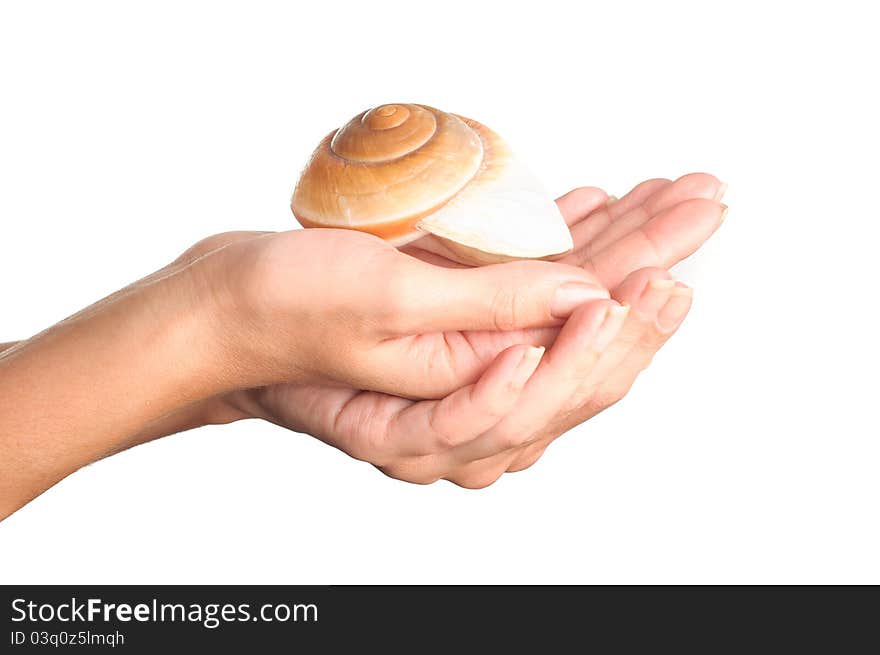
column 401, row 171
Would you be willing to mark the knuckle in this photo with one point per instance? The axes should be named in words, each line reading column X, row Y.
column 702, row 205
column 510, row 437
column 582, row 368
column 211, row 243
column 607, row 397
column 478, row 479
column 654, row 182
column 406, row 472
column 447, row 435
column 524, row 463
column 496, row 405
column 203, row 247
column 394, row 308
column 654, row 272
column 496, row 408
column 506, row 309
column 444, row 438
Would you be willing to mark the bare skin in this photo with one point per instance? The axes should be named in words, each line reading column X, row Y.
column 657, row 224
column 240, row 326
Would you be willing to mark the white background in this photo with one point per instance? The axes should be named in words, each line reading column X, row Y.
column 748, row 452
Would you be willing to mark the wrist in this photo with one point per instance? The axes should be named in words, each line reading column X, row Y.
column 252, row 335
column 243, row 404
column 218, row 410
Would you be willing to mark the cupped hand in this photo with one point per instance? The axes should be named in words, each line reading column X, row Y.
column 338, row 307
column 506, row 420
column 424, row 326
column 657, row 224
column 523, row 401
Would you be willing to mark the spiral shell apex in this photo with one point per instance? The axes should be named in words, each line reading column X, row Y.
column 400, row 171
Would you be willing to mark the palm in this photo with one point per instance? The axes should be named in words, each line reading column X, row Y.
column 657, row 224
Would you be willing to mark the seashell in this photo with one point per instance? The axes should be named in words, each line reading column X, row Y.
column 404, row 171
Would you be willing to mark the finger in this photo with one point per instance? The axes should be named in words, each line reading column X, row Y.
column 515, row 295
column 668, row 319
column 436, row 426
column 341, row 417
column 528, row 456
column 691, row 185
column 660, row 307
column 638, row 291
column 580, row 385
column 481, row 473
column 439, row 363
column 579, row 203
column 619, row 379
column 583, row 338
column 585, row 231
column 439, row 426
column 638, row 195
column 665, row 240
column 694, row 185
column 646, row 292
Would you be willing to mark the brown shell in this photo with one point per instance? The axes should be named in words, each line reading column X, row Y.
column 389, row 167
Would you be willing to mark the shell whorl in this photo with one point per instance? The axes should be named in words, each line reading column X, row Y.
column 384, row 133
column 386, row 168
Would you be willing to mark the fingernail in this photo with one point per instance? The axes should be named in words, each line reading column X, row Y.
column 723, row 213
column 572, row 295
column 681, row 289
column 661, row 283
column 674, row 311
column 721, row 191
column 610, row 200
column 655, row 295
column 614, row 317
column 530, row 360
column 527, row 365
column 618, row 311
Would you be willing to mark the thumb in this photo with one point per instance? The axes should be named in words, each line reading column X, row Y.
column 511, row 296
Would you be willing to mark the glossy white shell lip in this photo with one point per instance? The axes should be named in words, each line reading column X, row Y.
column 508, row 214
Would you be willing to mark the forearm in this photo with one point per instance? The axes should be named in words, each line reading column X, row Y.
column 217, row 410
column 118, row 373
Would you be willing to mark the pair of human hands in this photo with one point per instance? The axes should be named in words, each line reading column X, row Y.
column 431, row 370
